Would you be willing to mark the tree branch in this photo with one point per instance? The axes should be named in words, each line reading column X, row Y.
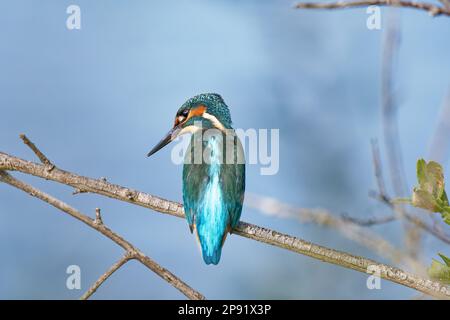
column 432, row 9
column 343, row 259
column 100, row 227
column 324, row 218
column 127, row 257
column 244, row 229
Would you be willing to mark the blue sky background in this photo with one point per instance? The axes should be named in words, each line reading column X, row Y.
column 97, row 99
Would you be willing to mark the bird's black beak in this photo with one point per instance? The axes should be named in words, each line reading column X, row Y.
column 170, row 136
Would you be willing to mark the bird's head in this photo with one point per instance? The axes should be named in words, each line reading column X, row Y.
column 204, row 111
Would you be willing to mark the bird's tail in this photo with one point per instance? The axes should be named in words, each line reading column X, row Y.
column 212, row 258
column 211, row 246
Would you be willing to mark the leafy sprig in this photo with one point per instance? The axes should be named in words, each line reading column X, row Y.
column 440, row 271
column 430, row 193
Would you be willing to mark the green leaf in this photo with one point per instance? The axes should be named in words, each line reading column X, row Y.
column 436, row 179
column 439, row 271
column 430, row 193
column 446, row 215
column 446, row 260
column 444, row 198
column 421, row 171
column 423, row 199
column 431, row 178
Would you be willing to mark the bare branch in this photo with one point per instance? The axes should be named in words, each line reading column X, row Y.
column 99, row 186
column 244, row 229
column 127, row 257
column 149, row 263
column 324, row 218
column 432, row 9
column 343, row 259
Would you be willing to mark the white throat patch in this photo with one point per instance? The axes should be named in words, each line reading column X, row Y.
column 216, row 123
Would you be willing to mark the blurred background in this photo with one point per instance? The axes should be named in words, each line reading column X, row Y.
column 97, row 99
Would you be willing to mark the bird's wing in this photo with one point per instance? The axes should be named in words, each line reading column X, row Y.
column 195, row 177
column 233, row 182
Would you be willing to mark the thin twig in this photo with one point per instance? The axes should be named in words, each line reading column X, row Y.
column 38, row 152
column 439, row 146
column 376, row 158
column 389, row 109
column 432, row 9
column 149, row 263
column 127, row 257
column 244, row 229
column 78, row 191
column 98, row 216
column 368, row 222
column 437, row 232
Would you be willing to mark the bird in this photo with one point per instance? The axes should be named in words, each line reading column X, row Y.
column 213, row 171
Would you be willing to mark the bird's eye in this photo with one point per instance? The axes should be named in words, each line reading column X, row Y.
column 185, row 113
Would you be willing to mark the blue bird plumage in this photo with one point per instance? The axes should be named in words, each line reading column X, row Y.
column 213, row 189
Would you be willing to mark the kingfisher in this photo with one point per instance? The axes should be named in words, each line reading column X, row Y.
column 213, row 171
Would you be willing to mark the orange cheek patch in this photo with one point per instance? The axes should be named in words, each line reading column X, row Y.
column 198, row 111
